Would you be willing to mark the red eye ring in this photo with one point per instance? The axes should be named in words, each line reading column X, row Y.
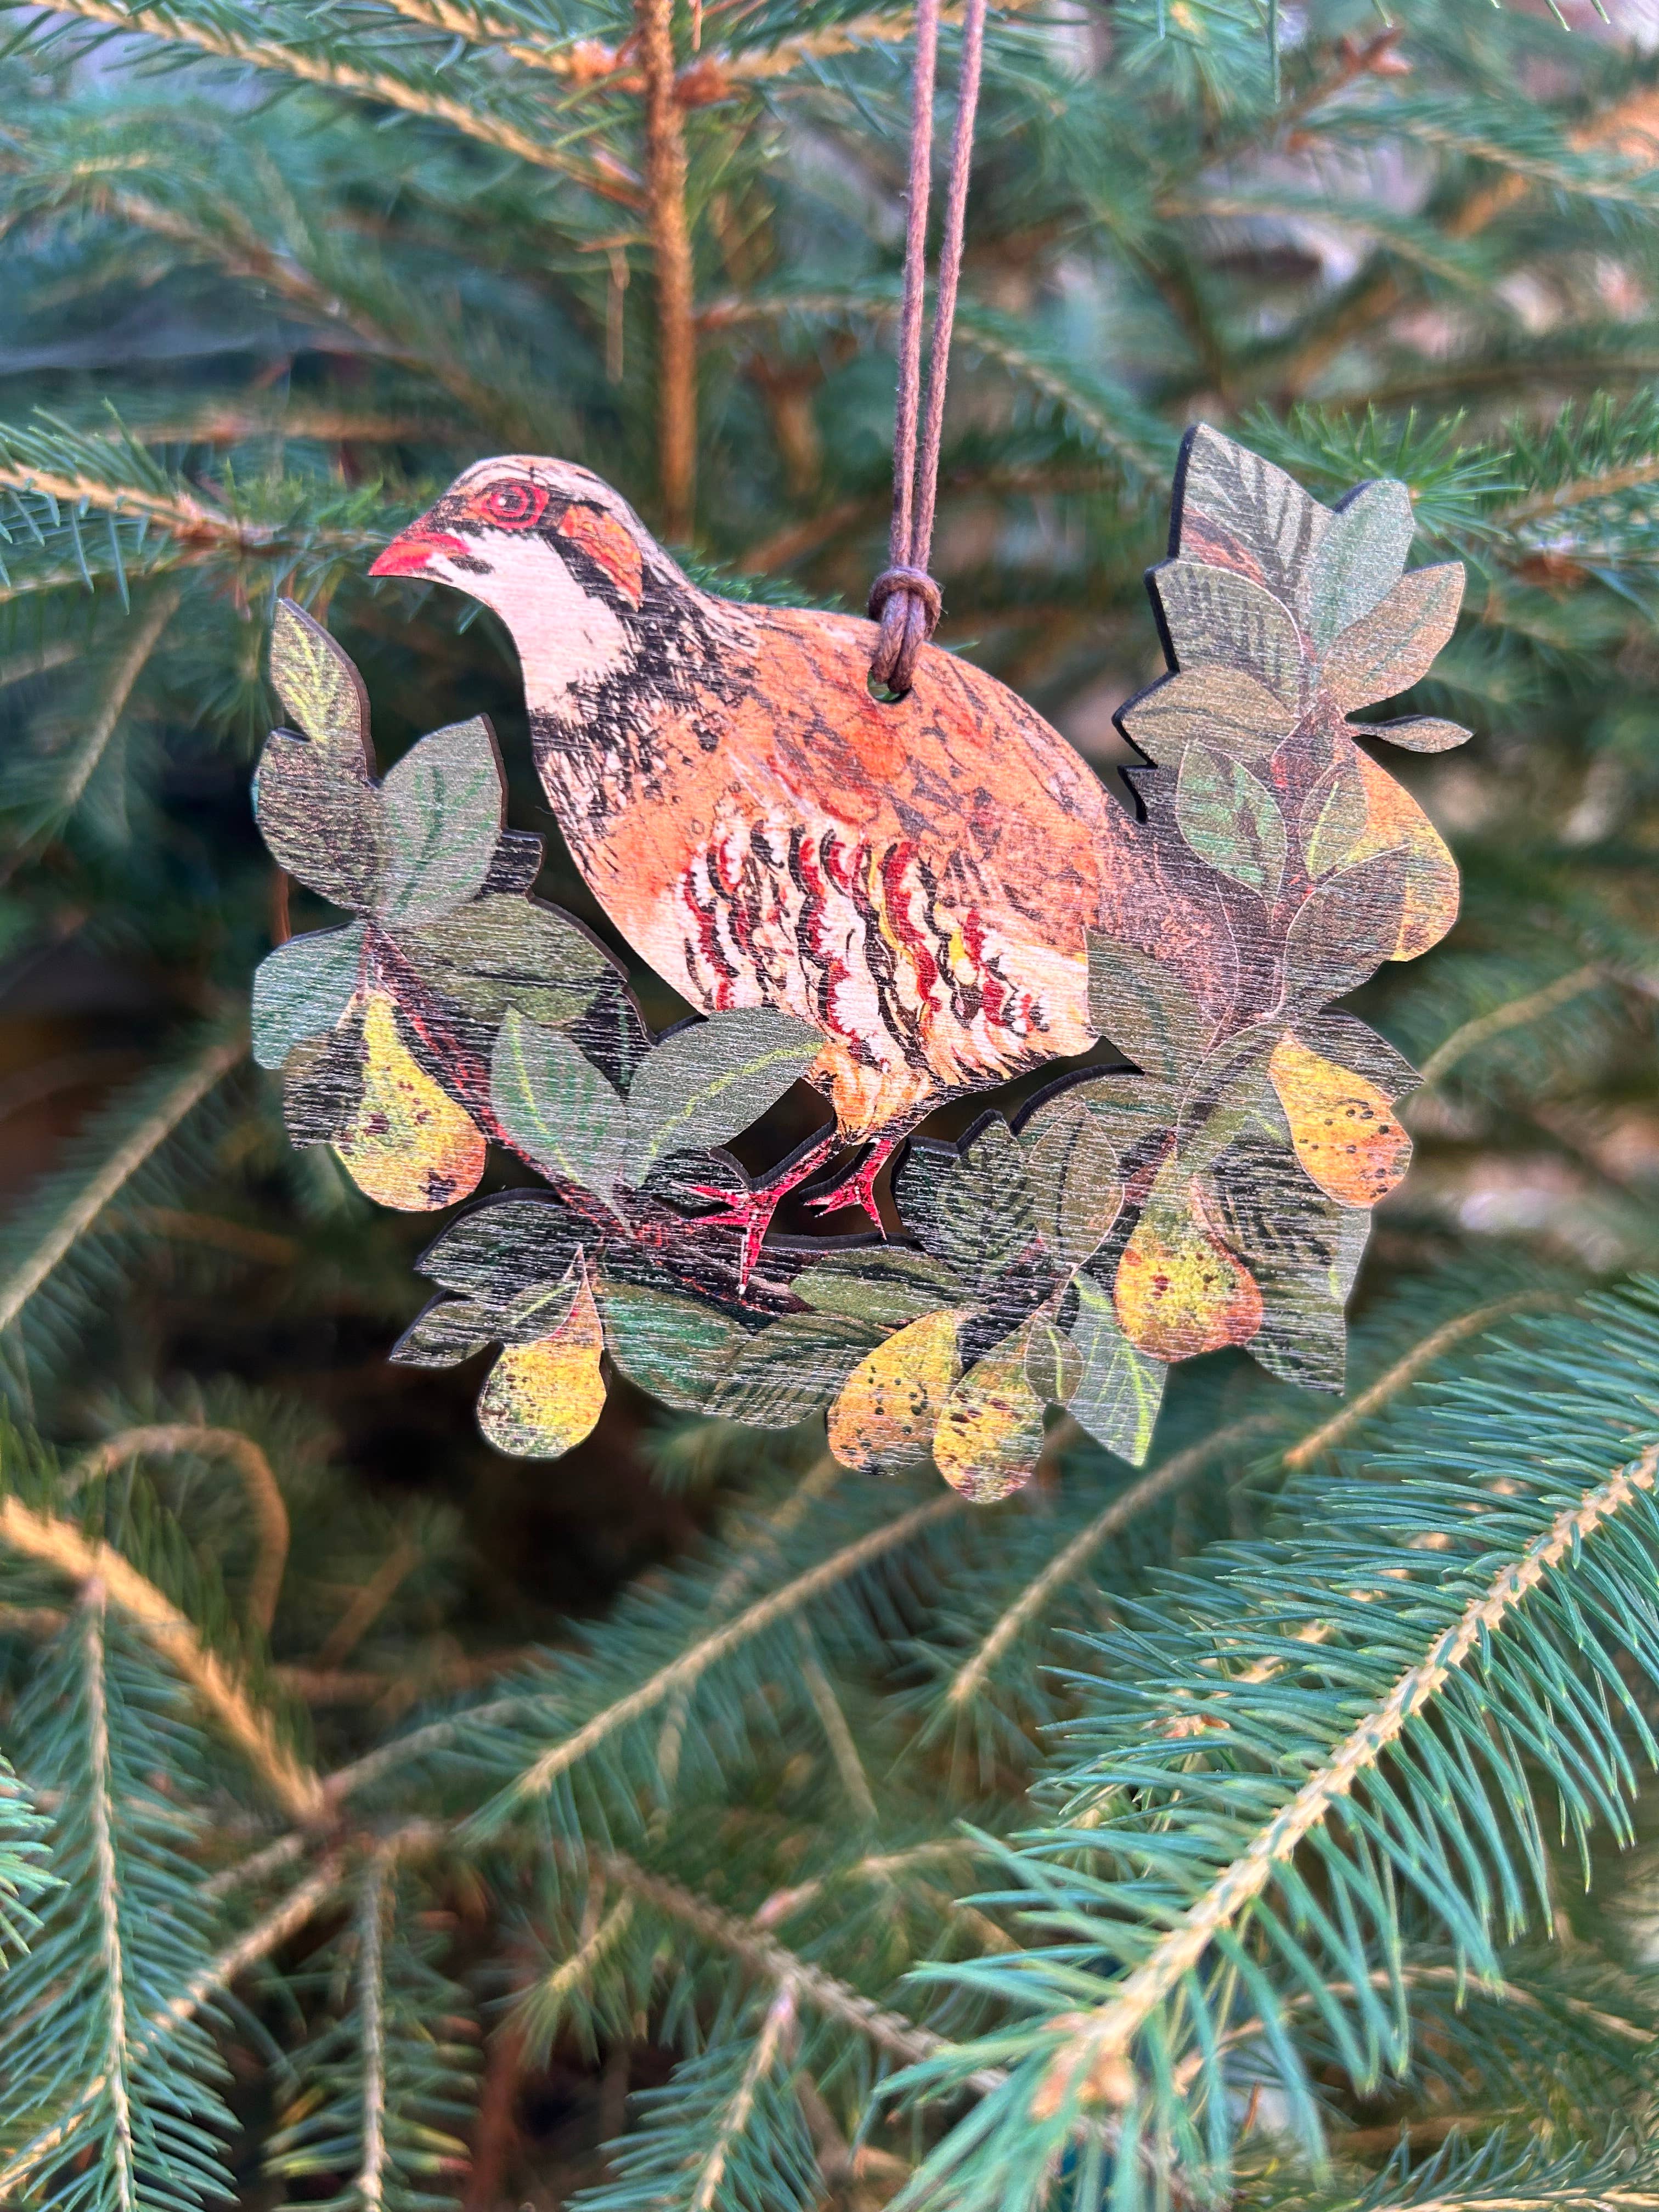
column 515, row 505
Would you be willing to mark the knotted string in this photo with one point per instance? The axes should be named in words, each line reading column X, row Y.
column 904, row 599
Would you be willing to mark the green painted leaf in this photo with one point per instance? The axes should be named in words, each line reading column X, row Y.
column 1054, row 1366
column 441, row 807
column 1303, row 1250
column 1213, row 704
column 1353, row 1043
column 304, row 987
column 1215, row 615
column 795, row 1367
column 1132, row 1109
column 1230, row 819
column 324, row 827
column 1392, row 646
column 323, row 1082
column 888, row 1287
column 321, row 689
column 969, row 1207
column 707, row 1083
column 1077, row 1190
column 1416, row 733
column 1230, row 501
column 503, row 1246
column 1335, row 815
column 452, row 1329
column 1119, row 1391
column 556, row 1106
column 1347, row 926
column 675, row 1348
column 503, row 951
column 1141, row 1007
column 1360, row 558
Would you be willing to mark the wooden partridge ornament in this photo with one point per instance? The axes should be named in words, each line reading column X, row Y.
column 900, row 901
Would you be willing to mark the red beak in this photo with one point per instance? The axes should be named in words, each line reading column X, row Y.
column 410, row 551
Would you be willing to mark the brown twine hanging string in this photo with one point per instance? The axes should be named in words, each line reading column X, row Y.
column 904, row 599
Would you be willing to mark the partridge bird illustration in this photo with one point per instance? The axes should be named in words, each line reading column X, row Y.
column 916, row 879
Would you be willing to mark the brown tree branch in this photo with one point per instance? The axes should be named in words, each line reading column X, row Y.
column 670, row 242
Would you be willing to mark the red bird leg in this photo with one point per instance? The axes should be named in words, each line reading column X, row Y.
column 751, row 1209
column 859, row 1189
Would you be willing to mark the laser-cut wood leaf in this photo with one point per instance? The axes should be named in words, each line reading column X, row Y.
column 970, row 1206
column 304, row 988
column 1393, row 646
column 1076, row 1184
column 1214, row 614
column 1054, row 1366
column 792, row 1368
column 1416, row 733
column 320, row 825
column 675, row 1348
column 409, row 1144
column 990, row 1429
column 1334, row 816
column 884, row 1419
column 441, row 811
column 514, row 1242
column 1359, row 559
column 1142, row 1008
column 705, row 1084
column 319, row 687
column 1230, row 819
column 886, row 1287
column 1179, row 1290
column 1353, row 1043
column 1343, row 1130
column 1119, row 1388
column 541, row 1398
column 556, row 1106
column 502, row 952
column 452, row 1329
column 1233, row 506
column 1213, row 703
column 1302, row 1248
column 1347, row 927
column 1397, row 823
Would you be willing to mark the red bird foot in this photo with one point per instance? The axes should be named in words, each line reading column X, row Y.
column 859, row 1189
column 751, row 1209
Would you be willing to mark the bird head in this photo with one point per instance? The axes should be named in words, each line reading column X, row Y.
column 559, row 556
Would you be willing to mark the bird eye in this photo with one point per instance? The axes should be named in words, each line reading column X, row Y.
column 515, row 506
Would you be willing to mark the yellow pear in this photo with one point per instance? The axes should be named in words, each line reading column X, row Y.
column 885, row 1415
column 1343, row 1127
column 409, row 1144
column 541, row 1398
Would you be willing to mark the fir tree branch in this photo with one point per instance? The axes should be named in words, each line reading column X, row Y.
column 367, row 1604
column 671, row 243
column 773, row 2042
column 117, row 2054
column 184, row 517
column 86, row 1561
column 779, row 1605
column 1464, row 1039
column 168, row 1439
column 541, row 2007
column 1092, row 2062
column 604, row 175
column 123, row 677
column 770, row 1959
column 1069, row 1561
column 85, row 1207
column 371, row 1911
column 842, row 1749
column 1405, row 1371
column 679, row 1674
column 258, row 1943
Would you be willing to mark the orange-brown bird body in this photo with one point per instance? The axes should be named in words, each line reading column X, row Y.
column 916, row 879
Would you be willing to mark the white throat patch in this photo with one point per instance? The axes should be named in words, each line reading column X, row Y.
column 564, row 635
